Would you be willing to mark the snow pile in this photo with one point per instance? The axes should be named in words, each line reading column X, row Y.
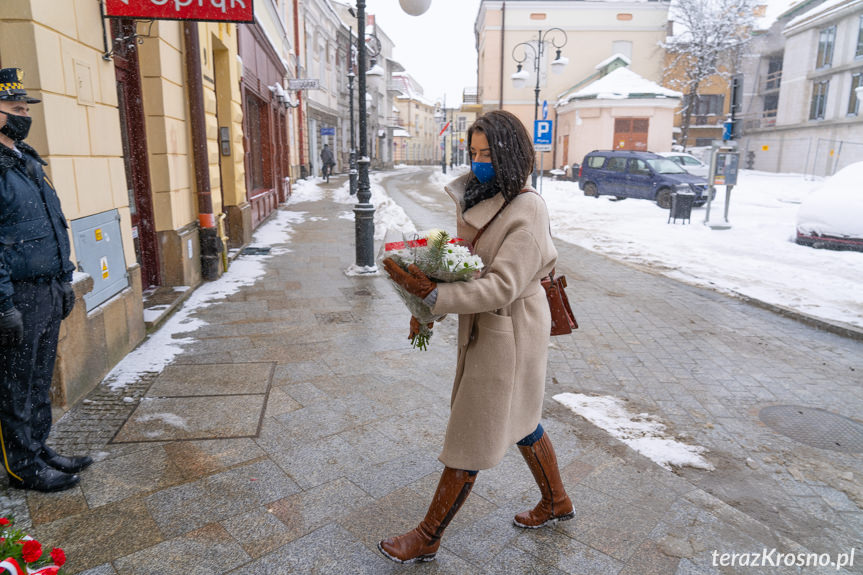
column 642, row 432
column 757, row 257
column 836, row 208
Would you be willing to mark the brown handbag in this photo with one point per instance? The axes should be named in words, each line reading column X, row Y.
column 562, row 318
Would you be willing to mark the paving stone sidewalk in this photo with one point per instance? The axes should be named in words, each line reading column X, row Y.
column 300, row 428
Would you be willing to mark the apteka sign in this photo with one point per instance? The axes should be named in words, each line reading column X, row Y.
column 206, row 10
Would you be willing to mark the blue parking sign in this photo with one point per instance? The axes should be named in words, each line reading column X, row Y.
column 542, row 134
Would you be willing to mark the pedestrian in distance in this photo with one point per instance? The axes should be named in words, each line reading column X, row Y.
column 504, row 324
column 35, row 296
column 328, row 162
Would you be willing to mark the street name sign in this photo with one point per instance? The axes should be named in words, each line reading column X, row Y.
column 297, row 84
column 201, row 10
column 542, row 134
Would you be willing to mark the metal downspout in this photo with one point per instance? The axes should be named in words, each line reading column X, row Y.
column 299, row 92
column 211, row 243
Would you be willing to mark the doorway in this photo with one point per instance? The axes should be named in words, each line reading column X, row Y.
column 134, row 137
column 631, row 134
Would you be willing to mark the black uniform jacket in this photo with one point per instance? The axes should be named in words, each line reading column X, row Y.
column 34, row 241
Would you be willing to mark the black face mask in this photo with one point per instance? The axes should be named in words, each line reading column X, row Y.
column 17, row 127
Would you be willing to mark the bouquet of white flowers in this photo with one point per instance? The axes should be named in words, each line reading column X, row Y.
column 441, row 258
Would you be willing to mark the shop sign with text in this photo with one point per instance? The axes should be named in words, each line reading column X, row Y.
column 206, row 10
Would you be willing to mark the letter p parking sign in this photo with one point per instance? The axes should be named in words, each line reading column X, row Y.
column 542, row 134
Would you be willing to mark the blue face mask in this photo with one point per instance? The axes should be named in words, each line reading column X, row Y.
column 483, row 171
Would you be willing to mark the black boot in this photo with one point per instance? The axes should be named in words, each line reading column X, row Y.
column 63, row 463
column 46, row 480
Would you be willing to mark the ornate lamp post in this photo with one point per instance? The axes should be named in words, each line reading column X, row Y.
column 364, row 211
column 353, row 156
column 519, row 79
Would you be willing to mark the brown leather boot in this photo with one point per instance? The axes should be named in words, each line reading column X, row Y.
column 422, row 543
column 555, row 504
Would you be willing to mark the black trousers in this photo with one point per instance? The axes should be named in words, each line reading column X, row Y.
column 25, row 377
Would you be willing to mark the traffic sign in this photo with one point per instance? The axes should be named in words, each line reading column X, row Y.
column 542, row 134
column 545, row 109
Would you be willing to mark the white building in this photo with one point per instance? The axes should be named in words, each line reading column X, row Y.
column 803, row 113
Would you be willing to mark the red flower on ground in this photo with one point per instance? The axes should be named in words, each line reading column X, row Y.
column 31, row 551
column 4, row 521
column 58, row 556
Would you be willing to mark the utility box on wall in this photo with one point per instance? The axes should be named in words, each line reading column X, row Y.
column 99, row 249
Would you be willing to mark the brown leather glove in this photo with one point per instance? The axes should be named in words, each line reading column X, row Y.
column 415, row 327
column 413, row 280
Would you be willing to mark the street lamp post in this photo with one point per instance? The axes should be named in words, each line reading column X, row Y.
column 364, row 211
column 353, row 156
column 519, row 79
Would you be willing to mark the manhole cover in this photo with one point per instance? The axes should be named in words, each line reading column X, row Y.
column 815, row 427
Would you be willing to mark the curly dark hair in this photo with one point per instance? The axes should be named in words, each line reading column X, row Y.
column 511, row 150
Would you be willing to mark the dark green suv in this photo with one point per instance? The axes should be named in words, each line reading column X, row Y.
column 645, row 175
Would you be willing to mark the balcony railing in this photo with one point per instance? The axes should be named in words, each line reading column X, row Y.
column 470, row 96
column 772, row 82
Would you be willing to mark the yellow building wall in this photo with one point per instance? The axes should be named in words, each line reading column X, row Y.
column 169, row 140
column 711, row 86
column 166, row 109
column 76, row 127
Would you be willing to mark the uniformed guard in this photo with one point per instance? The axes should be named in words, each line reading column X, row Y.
column 35, row 296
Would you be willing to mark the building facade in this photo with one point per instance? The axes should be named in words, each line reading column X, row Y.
column 122, row 103
column 592, row 32
column 265, row 49
column 415, row 114
column 810, row 114
column 618, row 109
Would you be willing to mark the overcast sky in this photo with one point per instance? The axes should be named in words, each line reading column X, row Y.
column 437, row 48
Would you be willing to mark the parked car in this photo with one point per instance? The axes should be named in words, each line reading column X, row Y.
column 832, row 216
column 688, row 162
column 631, row 174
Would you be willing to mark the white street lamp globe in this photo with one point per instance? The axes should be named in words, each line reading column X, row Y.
column 415, row 7
column 519, row 79
column 559, row 64
column 375, row 70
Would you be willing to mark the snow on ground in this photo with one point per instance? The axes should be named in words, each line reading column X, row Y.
column 642, row 432
column 756, row 257
column 163, row 345
column 388, row 214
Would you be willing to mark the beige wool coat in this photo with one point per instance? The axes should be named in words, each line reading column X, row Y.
column 504, row 325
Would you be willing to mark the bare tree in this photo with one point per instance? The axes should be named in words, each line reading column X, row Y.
column 708, row 39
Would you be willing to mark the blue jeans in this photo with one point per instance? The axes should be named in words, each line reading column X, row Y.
column 533, row 437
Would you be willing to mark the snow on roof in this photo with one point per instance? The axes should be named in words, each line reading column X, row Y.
column 775, row 9
column 830, row 6
column 620, row 84
column 401, row 133
column 612, row 58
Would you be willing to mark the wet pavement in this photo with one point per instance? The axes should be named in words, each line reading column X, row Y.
column 300, row 428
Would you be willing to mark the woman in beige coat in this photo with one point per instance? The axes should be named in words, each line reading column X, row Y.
column 504, row 326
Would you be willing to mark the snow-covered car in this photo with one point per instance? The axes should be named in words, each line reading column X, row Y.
column 688, row 162
column 832, row 216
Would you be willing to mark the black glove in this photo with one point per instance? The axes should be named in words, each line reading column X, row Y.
column 11, row 328
column 68, row 299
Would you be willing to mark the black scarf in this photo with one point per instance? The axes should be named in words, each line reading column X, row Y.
column 475, row 192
